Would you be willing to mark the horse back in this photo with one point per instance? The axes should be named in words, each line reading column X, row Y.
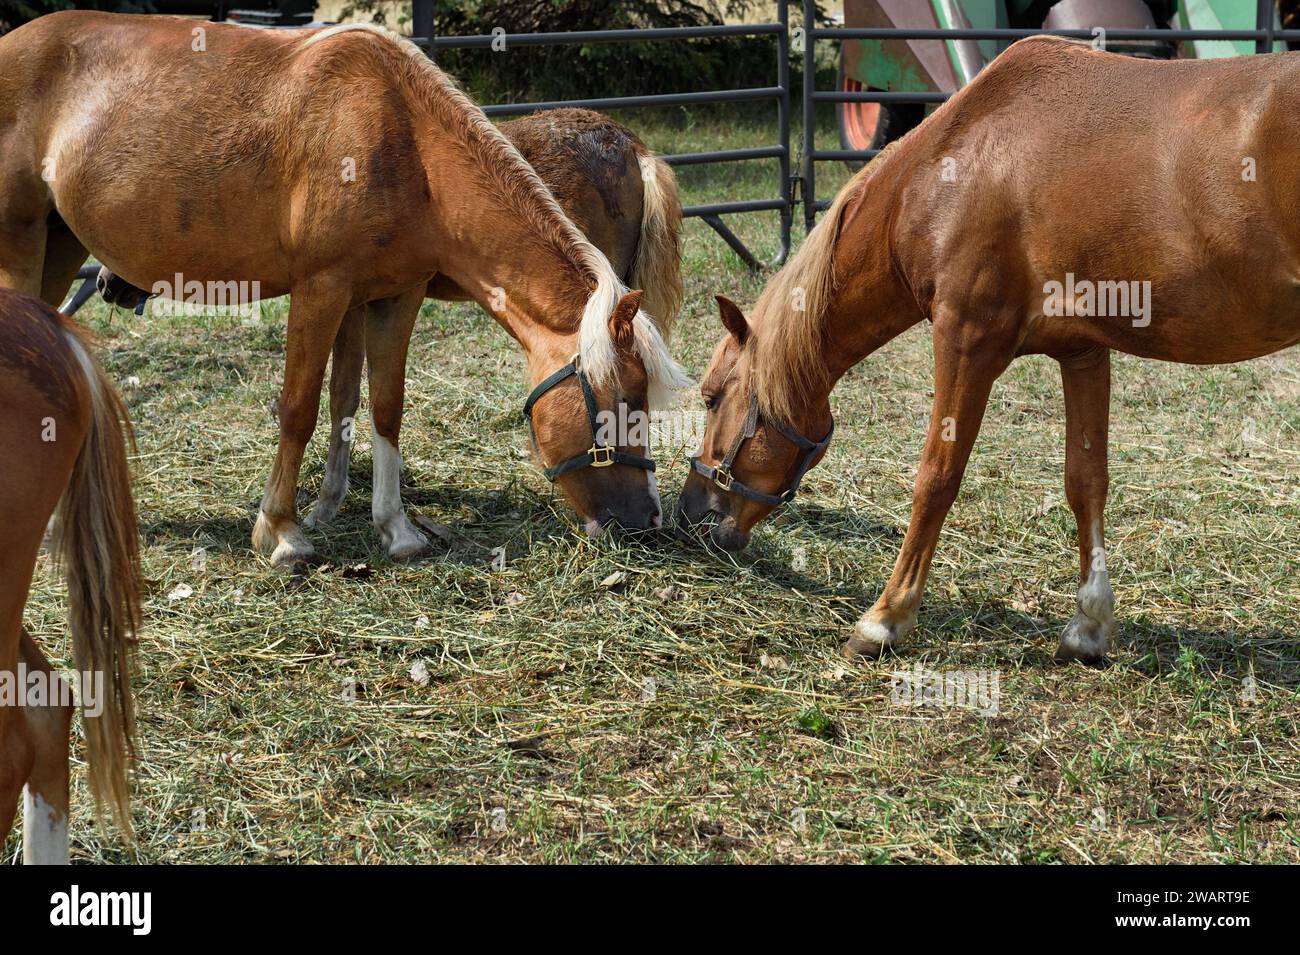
column 171, row 134
column 1062, row 160
column 589, row 161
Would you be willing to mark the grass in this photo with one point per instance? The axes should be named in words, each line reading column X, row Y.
column 694, row 708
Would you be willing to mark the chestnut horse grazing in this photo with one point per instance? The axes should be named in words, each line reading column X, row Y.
column 62, row 444
column 607, row 182
column 339, row 166
column 1068, row 202
column 612, row 188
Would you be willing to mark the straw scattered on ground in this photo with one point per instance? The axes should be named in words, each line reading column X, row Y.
column 648, row 701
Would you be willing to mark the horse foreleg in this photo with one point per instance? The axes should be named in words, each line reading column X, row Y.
column 968, row 357
column 388, row 334
column 1086, row 381
column 45, row 800
column 315, row 313
column 345, row 397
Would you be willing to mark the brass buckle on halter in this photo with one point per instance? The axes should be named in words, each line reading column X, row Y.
column 602, row 456
column 722, row 478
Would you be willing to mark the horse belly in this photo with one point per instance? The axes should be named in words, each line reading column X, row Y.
column 149, row 225
column 1202, row 323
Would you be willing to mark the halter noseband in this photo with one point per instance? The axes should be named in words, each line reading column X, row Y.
column 598, row 455
column 722, row 477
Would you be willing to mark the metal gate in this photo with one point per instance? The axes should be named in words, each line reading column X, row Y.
column 422, row 28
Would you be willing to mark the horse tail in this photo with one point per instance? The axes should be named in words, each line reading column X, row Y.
column 657, row 266
column 97, row 545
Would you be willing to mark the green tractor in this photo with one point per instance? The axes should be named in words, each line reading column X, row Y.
column 947, row 65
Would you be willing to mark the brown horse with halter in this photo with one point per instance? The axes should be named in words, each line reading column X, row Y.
column 62, row 440
column 340, row 167
column 608, row 183
column 980, row 221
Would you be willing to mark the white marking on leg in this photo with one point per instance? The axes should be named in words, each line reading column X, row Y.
column 398, row 533
column 45, row 832
column 1088, row 635
column 884, row 633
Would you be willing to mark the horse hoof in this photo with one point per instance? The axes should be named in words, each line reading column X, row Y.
column 871, row 638
column 856, row 649
column 1085, row 640
column 321, row 514
column 292, row 557
column 287, row 547
column 409, row 546
column 409, row 554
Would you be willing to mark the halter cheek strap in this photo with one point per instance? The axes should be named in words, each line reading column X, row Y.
column 722, row 477
column 598, row 455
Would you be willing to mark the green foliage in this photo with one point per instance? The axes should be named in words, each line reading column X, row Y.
column 598, row 69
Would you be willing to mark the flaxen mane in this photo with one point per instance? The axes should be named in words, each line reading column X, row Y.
column 788, row 317
column 525, row 193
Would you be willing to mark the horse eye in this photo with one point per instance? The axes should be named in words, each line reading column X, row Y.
column 710, row 402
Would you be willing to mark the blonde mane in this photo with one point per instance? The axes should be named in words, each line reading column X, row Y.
column 528, row 196
column 787, row 319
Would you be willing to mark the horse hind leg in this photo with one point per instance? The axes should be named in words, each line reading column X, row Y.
column 345, row 397
column 316, row 311
column 1086, row 382
column 25, row 207
column 45, row 798
column 22, row 257
column 388, row 333
column 17, row 754
column 16, row 758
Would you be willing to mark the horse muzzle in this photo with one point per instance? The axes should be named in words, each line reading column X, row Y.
column 697, row 516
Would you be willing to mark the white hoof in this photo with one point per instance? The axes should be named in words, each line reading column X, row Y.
column 871, row 636
column 1085, row 639
column 285, row 545
column 403, row 541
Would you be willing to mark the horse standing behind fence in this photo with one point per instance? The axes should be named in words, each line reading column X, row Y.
column 1067, row 202
column 343, row 168
column 62, row 441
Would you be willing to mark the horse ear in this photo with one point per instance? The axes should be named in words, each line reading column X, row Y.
column 733, row 319
column 622, row 323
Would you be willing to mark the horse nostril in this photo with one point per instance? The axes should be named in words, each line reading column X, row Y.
column 657, row 520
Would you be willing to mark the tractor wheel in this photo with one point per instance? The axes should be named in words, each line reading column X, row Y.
column 872, row 125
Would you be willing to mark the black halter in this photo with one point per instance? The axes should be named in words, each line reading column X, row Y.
column 598, row 455
column 721, row 475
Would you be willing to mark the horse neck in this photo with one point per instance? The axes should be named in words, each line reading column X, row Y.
column 870, row 308
column 871, row 304
column 503, row 260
